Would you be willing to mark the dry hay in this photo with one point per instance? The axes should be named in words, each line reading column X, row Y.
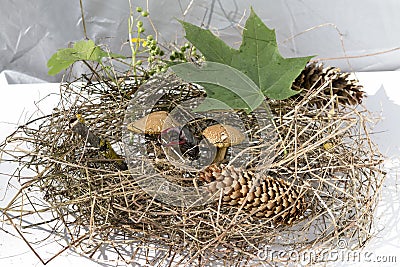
column 87, row 198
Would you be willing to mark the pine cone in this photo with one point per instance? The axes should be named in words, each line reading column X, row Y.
column 347, row 89
column 262, row 196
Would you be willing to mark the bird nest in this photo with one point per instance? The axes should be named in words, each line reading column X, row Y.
column 97, row 186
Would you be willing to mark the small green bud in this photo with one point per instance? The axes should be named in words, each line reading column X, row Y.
column 150, row 38
column 139, row 24
column 183, row 49
column 161, row 53
column 139, row 62
column 171, row 57
column 145, row 13
column 187, row 45
column 150, row 59
column 139, row 9
column 140, row 30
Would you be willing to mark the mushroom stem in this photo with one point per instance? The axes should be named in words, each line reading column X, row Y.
column 222, row 137
column 220, row 155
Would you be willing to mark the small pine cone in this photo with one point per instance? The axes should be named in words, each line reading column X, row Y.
column 208, row 175
column 260, row 195
column 308, row 77
column 347, row 89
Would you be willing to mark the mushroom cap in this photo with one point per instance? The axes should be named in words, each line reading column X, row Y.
column 223, row 135
column 152, row 123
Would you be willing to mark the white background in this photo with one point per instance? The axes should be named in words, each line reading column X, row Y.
column 31, row 31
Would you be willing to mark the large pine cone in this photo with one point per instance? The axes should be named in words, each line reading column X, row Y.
column 262, row 195
column 347, row 89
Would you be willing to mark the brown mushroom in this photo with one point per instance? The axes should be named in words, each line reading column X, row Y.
column 223, row 136
column 152, row 123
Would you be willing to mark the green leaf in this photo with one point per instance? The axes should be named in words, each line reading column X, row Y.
column 222, row 83
column 213, row 48
column 60, row 60
column 82, row 50
column 259, row 58
column 211, row 104
column 224, row 95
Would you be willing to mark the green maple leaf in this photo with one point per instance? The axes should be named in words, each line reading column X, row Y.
column 236, row 89
column 258, row 57
column 212, row 48
column 82, row 50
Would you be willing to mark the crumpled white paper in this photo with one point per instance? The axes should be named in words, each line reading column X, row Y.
column 31, row 31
